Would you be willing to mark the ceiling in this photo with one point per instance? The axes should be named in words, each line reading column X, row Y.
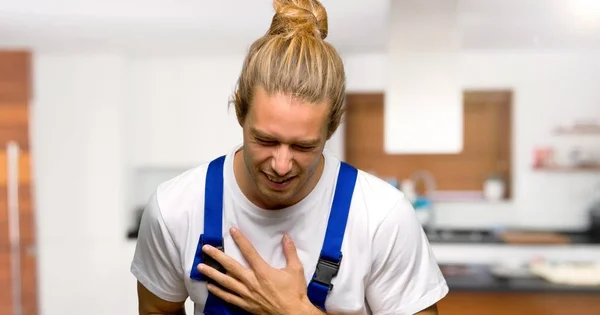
column 229, row 26
column 175, row 26
column 530, row 24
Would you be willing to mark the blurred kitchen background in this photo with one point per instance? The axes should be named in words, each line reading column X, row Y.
column 486, row 113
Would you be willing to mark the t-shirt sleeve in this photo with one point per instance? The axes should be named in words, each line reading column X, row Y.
column 156, row 262
column 405, row 277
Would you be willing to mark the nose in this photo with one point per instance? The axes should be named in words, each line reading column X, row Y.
column 282, row 160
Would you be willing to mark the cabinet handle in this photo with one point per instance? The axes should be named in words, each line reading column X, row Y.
column 12, row 152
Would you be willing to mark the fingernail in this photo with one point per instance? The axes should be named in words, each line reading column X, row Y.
column 206, row 248
column 200, row 267
column 233, row 230
column 286, row 238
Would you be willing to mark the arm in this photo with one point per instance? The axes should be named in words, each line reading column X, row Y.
column 150, row 304
column 405, row 278
column 157, row 266
column 310, row 309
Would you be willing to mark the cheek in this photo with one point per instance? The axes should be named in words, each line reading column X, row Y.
column 259, row 154
column 308, row 162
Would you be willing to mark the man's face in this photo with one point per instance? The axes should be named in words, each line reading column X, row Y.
column 283, row 142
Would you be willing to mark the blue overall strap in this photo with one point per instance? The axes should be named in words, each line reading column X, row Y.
column 331, row 254
column 213, row 235
column 213, row 217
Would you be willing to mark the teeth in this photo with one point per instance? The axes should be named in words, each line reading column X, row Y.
column 275, row 180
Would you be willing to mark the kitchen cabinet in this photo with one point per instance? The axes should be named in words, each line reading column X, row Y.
column 475, row 291
column 486, row 150
column 515, row 303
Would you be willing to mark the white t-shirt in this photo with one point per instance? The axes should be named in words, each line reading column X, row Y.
column 388, row 266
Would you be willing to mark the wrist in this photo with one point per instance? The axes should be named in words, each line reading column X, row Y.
column 307, row 308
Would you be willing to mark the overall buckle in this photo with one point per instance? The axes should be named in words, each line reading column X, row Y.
column 209, row 261
column 326, row 271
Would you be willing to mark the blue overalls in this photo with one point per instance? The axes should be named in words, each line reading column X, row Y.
column 329, row 260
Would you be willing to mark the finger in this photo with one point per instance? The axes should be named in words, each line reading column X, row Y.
column 291, row 253
column 230, row 264
column 248, row 251
column 229, row 297
column 226, row 281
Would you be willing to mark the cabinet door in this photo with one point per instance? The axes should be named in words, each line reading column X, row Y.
column 18, row 287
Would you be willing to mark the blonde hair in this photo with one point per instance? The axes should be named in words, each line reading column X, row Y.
column 293, row 58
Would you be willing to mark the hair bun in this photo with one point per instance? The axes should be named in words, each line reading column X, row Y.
column 295, row 17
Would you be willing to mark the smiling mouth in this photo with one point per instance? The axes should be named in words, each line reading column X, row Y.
column 278, row 180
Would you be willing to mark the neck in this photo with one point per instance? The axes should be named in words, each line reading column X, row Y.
column 249, row 189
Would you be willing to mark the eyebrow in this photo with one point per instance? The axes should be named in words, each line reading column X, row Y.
column 262, row 135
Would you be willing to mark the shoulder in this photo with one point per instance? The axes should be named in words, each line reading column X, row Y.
column 163, row 231
column 179, row 197
column 379, row 199
column 383, row 211
column 374, row 200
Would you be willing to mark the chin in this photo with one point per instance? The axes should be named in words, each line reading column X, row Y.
column 278, row 197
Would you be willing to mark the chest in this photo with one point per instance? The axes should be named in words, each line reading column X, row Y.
column 308, row 232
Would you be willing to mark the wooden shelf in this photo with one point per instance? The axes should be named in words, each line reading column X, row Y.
column 559, row 168
column 591, row 130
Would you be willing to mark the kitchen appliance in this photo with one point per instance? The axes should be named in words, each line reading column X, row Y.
column 594, row 221
column 594, row 217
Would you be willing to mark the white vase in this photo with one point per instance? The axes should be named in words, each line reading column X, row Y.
column 407, row 186
column 494, row 189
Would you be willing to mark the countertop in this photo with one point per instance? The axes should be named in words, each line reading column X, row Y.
column 450, row 236
column 479, row 278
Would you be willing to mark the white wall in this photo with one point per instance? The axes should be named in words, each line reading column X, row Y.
column 180, row 115
column 549, row 89
column 79, row 185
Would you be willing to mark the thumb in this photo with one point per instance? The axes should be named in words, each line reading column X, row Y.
column 291, row 255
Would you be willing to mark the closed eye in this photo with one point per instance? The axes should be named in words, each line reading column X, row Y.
column 266, row 142
column 304, row 148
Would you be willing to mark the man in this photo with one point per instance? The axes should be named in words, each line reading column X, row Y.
column 278, row 225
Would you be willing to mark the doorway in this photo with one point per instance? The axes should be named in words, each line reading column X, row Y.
column 18, row 263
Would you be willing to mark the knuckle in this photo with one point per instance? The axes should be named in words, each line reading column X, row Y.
column 253, row 285
column 225, row 282
column 298, row 268
column 227, row 298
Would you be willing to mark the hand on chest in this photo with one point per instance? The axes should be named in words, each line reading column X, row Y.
column 267, row 242
column 276, row 267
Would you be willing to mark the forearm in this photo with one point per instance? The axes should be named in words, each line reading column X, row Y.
column 180, row 312
column 315, row 311
column 309, row 309
column 161, row 312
